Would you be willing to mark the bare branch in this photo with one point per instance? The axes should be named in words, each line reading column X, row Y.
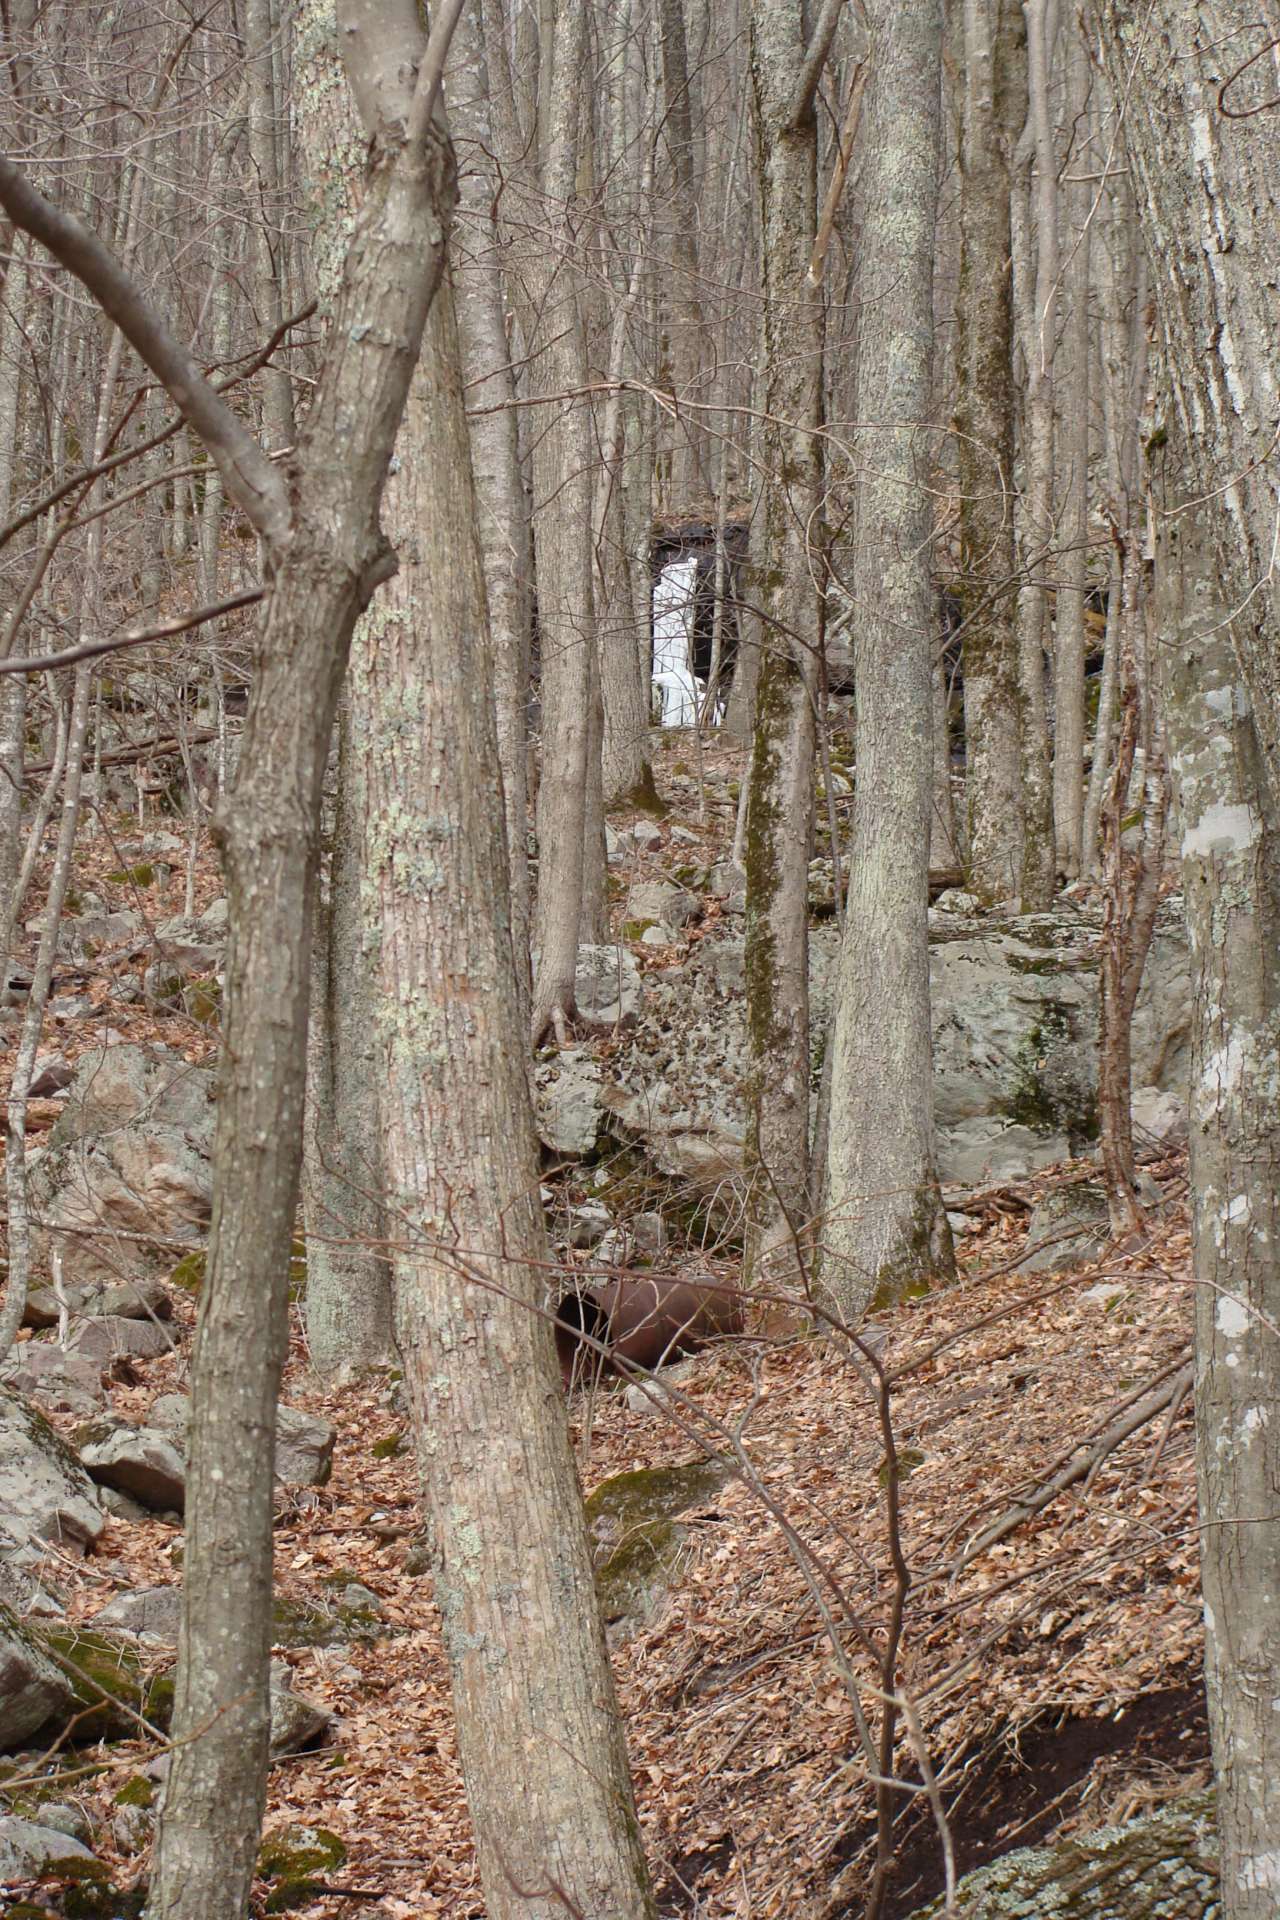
column 133, row 637
column 256, row 362
column 253, row 483
column 815, row 59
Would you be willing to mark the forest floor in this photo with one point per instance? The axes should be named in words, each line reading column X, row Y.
column 1052, row 1674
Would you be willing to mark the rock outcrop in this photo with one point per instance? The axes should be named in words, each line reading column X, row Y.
column 126, row 1164
column 1015, row 1033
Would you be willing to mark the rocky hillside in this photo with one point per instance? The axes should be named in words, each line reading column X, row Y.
column 988, row 1511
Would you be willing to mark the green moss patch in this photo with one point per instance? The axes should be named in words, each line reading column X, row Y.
column 137, row 1791
column 291, row 1856
column 298, row 1849
column 189, row 1273
column 108, row 1682
column 633, row 1521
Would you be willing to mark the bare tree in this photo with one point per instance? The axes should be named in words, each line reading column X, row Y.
column 512, row 1564
column 784, row 79
column 992, row 113
column 1035, row 314
column 562, row 490
column 325, row 556
column 1073, row 399
column 885, row 1229
column 1204, row 140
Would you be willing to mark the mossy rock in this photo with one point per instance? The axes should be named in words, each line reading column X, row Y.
column 137, row 1791
column 636, row 929
column 87, row 1899
column 298, row 1849
column 140, row 876
column 189, row 1273
column 297, row 1623
column 289, row 1895
column 633, row 1521
column 202, row 1001
column 107, row 1680
column 1045, row 1094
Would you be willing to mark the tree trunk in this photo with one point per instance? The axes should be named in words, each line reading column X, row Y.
column 1037, row 324
column 270, row 266
column 1208, row 192
column 1074, row 400
column 885, row 1228
column 781, row 781
column 562, row 464
column 348, row 1298
column 555, row 1828
column 324, row 553
column 1231, row 884
column 993, row 111
column 505, row 542
column 13, row 688
column 690, row 467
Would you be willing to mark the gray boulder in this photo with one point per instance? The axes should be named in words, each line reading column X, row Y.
column 133, row 1300
column 1160, row 1117
column 68, row 1382
column 1164, row 1863
column 27, row 1850
column 140, row 1461
column 296, row 1722
column 304, row 1448
column 187, row 950
column 607, row 989
column 304, row 1442
column 108, row 1336
column 660, row 903
column 128, row 1159
column 32, row 1688
column 52, row 1073
column 45, row 1493
column 1015, row 1032
column 1069, row 1227
column 567, row 1102
column 61, row 1818
column 151, row 1613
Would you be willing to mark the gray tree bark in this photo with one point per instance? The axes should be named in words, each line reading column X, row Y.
column 512, row 1564
column 885, row 1229
column 1074, row 409
column 993, row 111
column 1231, row 884
column 324, row 556
column 562, row 464
column 538, row 1729
column 13, row 689
column 690, row 465
column 505, row 542
column 1036, row 318
column 262, row 24
column 348, row 1297
column 781, row 782
column 1208, row 192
